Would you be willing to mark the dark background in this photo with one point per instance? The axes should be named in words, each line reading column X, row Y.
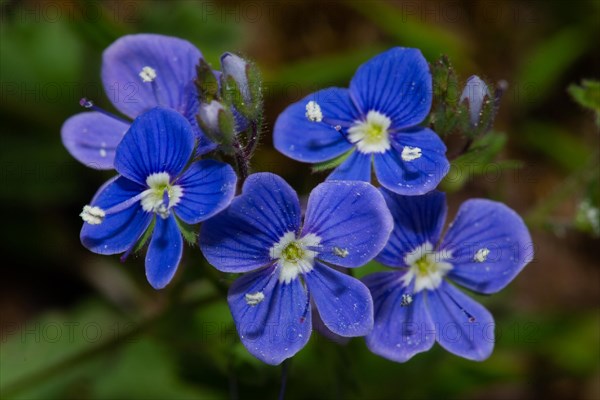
column 78, row 325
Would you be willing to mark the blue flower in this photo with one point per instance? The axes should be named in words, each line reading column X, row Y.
column 485, row 247
column 139, row 72
column 375, row 119
column 155, row 189
column 261, row 233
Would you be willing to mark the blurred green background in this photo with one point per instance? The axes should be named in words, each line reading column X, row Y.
column 77, row 325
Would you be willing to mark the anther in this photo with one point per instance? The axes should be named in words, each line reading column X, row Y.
column 313, row 111
column 406, row 300
column 148, row 74
column 411, row 153
column 93, row 215
column 253, row 299
column 340, row 252
column 89, row 104
column 481, row 254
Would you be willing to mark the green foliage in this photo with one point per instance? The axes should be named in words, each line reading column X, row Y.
column 330, row 164
column 447, row 114
column 144, row 239
column 320, row 71
column 477, row 161
column 189, row 232
column 450, row 115
column 206, row 82
column 560, row 146
column 542, row 69
column 406, row 28
column 587, row 95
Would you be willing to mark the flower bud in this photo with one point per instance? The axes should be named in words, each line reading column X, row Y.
column 217, row 122
column 474, row 93
column 242, row 85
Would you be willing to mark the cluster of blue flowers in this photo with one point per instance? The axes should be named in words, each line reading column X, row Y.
column 297, row 265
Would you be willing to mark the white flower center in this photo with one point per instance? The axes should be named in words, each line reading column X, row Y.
column 371, row 135
column 161, row 195
column 294, row 256
column 313, row 111
column 148, row 74
column 426, row 267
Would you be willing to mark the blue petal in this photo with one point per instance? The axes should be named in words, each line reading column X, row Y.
column 164, row 252
column 484, row 224
column 92, row 137
column 352, row 220
column 343, row 302
column 208, row 187
column 357, row 167
column 399, row 332
column 464, row 327
column 160, row 140
column 320, row 327
column 396, row 83
column 119, row 231
column 173, row 59
column 417, row 219
column 301, row 139
column 239, row 238
column 277, row 327
column 418, row 176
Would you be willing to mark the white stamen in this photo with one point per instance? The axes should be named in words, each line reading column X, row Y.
column 92, row 215
column 340, row 252
column 406, row 300
column 294, row 256
column 481, row 255
column 102, row 153
column 426, row 266
column 313, row 111
column 411, row 153
column 371, row 135
column 148, row 74
column 153, row 197
column 253, row 299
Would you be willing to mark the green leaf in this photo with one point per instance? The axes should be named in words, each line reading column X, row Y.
column 189, row 232
column 559, row 145
column 206, row 82
column 542, row 69
column 142, row 242
column 327, row 165
column 477, row 161
column 588, row 96
column 404, row 27
column 319, row 71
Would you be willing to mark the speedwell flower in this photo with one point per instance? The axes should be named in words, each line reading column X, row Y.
column 261, row 233
column 375, row 119
column 485, row 247
column 155, row 191
column 139, row 72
